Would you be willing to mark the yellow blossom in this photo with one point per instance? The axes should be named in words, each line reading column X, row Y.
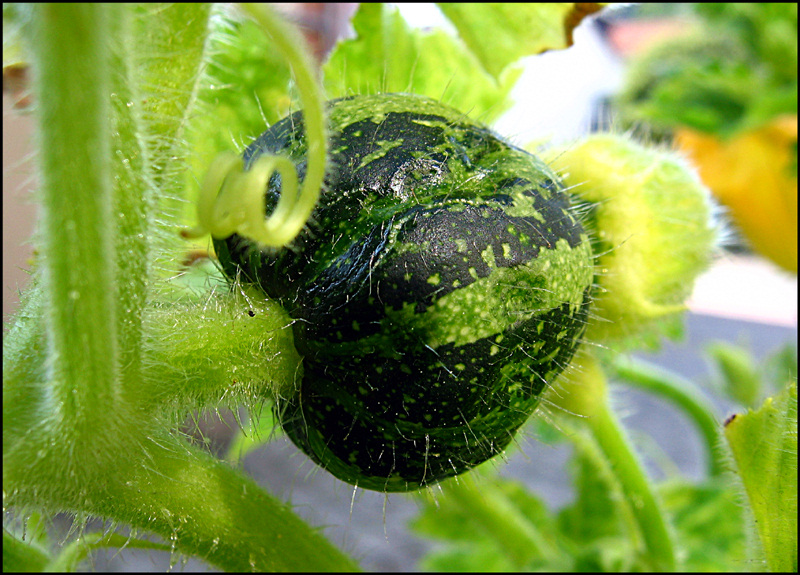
column 752, row 175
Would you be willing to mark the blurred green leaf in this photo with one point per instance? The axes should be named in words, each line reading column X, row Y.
column 490, row 523
column 589, row 535
column 387, row 56
column 261, row 428
column 21, row 556
column 764, row 445
column 740, row 375
column 246, row 88
column 782, row 365
column 248, row 81
column 747, row 380
column 500, row 34
column 603, row 532
column 735, row 70
column 596, row 523
column 480, row 556
column 595, row 514
column 767, row 29
column 709, row 524
column 702, row 81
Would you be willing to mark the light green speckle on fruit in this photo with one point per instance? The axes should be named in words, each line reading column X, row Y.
column 442, row 284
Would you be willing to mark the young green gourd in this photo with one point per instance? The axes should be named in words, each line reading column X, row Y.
column 441, row 284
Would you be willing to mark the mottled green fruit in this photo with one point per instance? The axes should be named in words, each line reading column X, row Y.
column 441, row 284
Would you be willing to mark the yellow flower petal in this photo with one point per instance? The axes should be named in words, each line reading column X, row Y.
column 751, row 175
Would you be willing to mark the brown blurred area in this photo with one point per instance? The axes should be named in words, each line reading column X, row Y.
column 19, row 210
column 322, row 23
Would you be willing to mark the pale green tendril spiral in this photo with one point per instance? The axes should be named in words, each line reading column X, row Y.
column 231, row 199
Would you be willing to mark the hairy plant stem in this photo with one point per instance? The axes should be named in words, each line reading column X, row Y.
column 76, row 551
column 683, row 394
column 205, row 507
column 78, row 236
column 87, row 427
column 636, row 487
column 631, row 476
column 584, row 393
column 132, row 198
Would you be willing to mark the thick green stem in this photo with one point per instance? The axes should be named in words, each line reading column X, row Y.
column 169, row 60
column 636, row 487
column 683, row 394
column 630, row 475
column 71, row 556
column 211, row 510
column 224, row 347
column 584, row 393
column 198, row 504
column 132, row 195
column 71, row 53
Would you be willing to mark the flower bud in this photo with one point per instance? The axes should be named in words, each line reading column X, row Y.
column 653, row 232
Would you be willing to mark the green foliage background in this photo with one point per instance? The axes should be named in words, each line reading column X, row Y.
column 734, row 70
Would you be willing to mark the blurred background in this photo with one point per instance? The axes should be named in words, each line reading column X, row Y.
column 650, row 70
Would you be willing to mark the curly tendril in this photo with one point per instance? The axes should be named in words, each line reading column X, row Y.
column 232, row 201
column 232, row 198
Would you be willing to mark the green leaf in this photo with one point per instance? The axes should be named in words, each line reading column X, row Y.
column 708, row 522
column 764, row 445
column 595, row 514
column 262, row 426
column 741, row 376
column 246, row 89
column 736, row 70
column 22, row 557
column 782, row 365
column 387, row 56
column 248, row 75
column 491, row 523
column 480, row 556
column 598, row 525
column 767, row 29
column 500, row 34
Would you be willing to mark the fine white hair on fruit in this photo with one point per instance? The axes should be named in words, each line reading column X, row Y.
column 441, row 285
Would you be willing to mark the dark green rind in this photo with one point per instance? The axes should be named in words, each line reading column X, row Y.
column 442, row 283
